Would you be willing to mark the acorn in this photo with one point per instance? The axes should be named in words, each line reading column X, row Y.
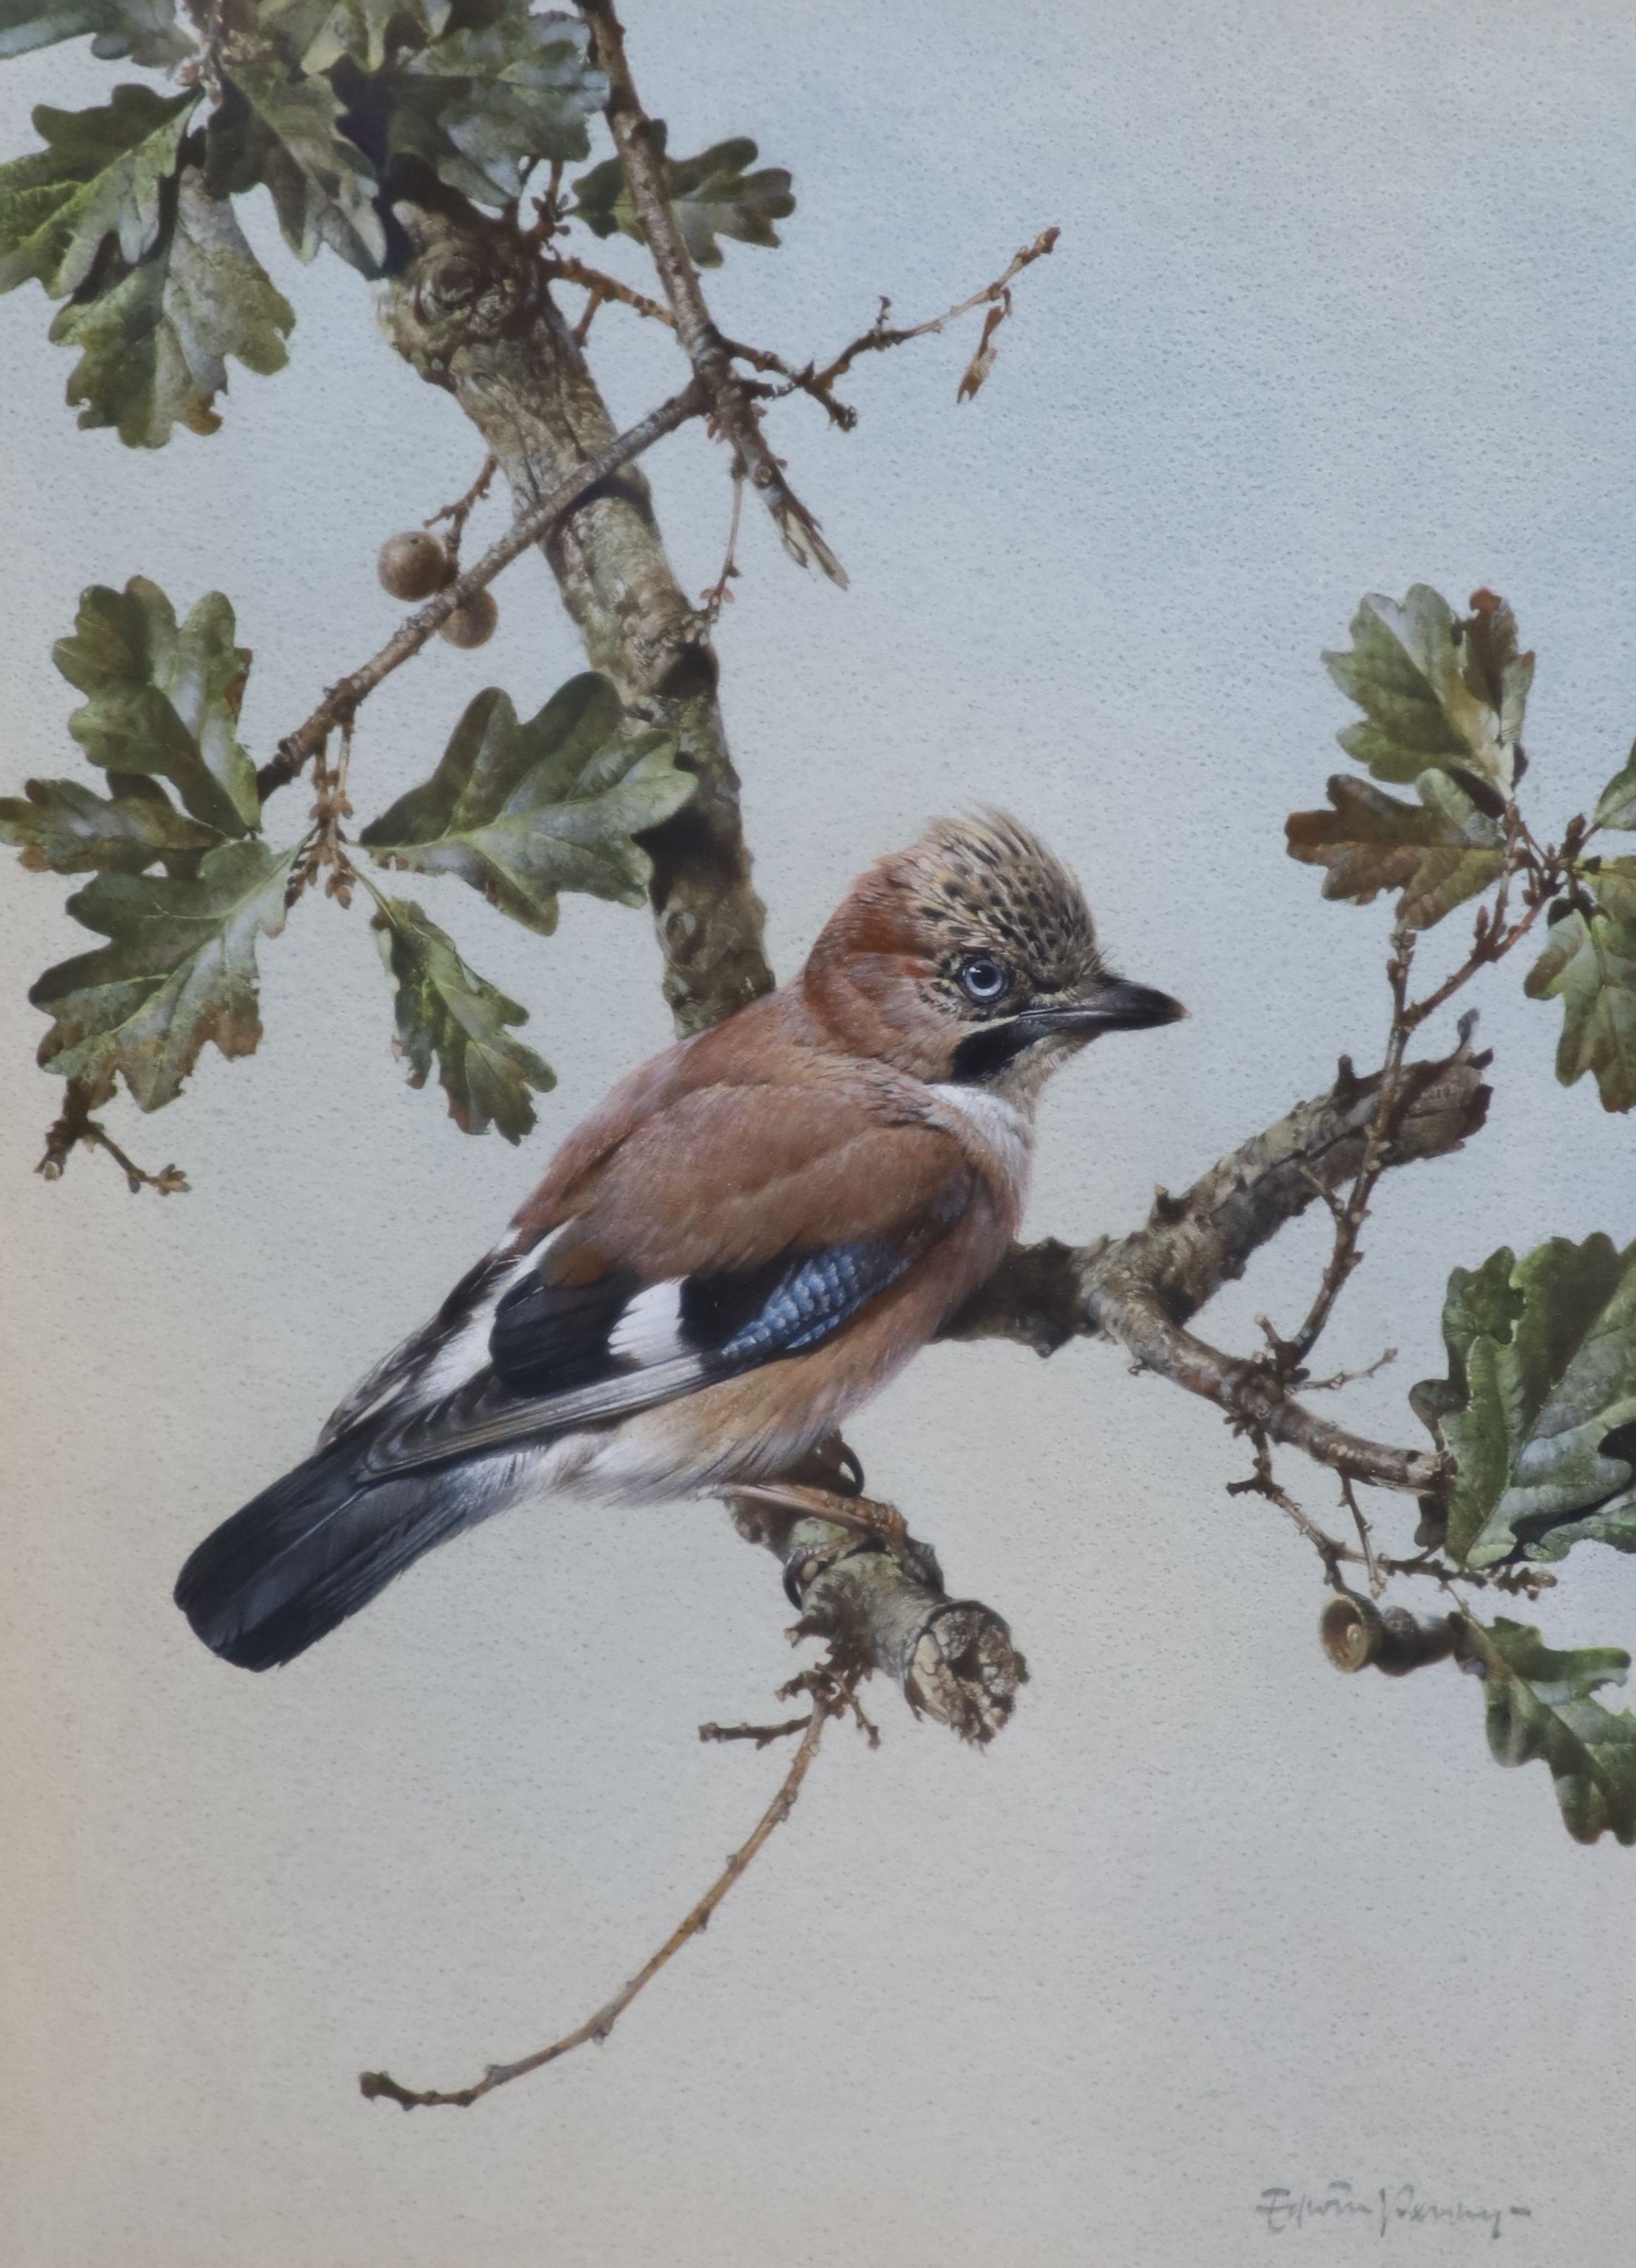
column 474, row 623
column 1353, row 1631
column 414, row 564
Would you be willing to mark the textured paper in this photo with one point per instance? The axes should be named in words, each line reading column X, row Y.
column 1343, row 300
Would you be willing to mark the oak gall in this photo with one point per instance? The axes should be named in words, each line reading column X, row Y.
column 414, row 564
column 474, row 623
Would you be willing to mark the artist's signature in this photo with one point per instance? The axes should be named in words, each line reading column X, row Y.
column 1385, row 2211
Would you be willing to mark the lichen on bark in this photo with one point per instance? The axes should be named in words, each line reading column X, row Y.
column 470, row 310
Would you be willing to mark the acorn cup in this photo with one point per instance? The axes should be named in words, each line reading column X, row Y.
column 1356, row 1634
column 414, row 564
column 474, row 623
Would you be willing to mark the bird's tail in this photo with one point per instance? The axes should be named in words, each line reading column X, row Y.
column 313, row 1548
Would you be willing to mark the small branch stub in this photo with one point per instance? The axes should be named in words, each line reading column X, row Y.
column 875, row 1596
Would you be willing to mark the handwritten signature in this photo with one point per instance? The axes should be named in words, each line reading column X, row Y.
column 1385, row 2210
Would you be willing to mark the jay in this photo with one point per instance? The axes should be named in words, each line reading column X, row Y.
column 753, row 1233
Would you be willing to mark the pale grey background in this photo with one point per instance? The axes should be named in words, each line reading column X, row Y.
column 1344, row 299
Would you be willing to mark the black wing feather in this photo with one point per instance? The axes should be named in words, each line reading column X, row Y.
column 320, row 1543
column 555, row 1338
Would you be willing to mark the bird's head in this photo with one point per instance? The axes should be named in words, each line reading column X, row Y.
column 971, row 956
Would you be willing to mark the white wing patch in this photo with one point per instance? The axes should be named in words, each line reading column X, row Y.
column 649, row 1330
column 464, row 1355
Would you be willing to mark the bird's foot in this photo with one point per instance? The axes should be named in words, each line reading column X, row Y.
column 865, row 1517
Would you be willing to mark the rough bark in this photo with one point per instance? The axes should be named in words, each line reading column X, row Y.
column 471, row 312
column 1141, row 1290
column 953, row 1659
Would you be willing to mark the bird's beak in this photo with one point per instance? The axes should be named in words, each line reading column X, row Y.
column 1114, row 1006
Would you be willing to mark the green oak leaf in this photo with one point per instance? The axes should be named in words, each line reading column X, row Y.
column 1439, row 855
column 1617, row 805
column 163, row 699
column 64, row 828
column 101, row 176
column 286, row 132
column 1614, row 882
column 154, row 338
column 1590, row 964
column 146, row 31
column 478, row 103
column 1480, row 1302
column 179, row 969
column 1434, row 689
column 523, row 811
column 317, row 34
column 1539, row 1706
column 1542, row 1379
column 446, row 1014
column 712, row 194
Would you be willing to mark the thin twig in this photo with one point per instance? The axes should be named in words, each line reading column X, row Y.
column 562, row 268
column 819, row 384
column 1366, row 1536
column 1544, row 871
column 1262, row 1482
column 1349, row 1377
column 827, row 1703
column 719, row 594
column 1491, row 940
column 881, row 334
column 341, row 703
column 733, row 411
column 76, row 1128
column 764, row 1735
column 1493, row 943
column 1519, row 1581
column 595, row 297
column 1289, row 1356
column 457, row 514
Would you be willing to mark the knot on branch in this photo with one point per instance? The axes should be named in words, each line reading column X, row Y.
column 469, row 283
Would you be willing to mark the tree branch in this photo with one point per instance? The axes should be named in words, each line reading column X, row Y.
column 881, row 1605
column 1141, row 1290
column 472, row 311
column 732, row 408
column 340, row 704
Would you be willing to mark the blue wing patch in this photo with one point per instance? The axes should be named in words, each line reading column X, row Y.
column 813, row 1297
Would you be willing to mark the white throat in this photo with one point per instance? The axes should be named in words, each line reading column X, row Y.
column 997, row 1127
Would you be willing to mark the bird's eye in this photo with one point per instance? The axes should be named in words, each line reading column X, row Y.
column 983, row 979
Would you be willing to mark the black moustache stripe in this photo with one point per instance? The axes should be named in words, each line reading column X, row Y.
column 981, row 1054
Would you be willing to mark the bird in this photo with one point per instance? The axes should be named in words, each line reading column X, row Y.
column 748, row 1239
